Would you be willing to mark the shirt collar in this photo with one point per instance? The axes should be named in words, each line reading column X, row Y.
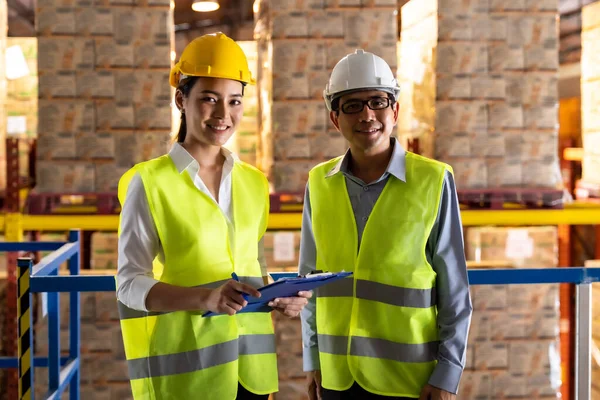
column 396, row 166
column 184, row 161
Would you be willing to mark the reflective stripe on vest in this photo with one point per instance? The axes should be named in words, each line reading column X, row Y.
column 196, row 360
column 177, row 355
column 374, row 291
column 378, row 328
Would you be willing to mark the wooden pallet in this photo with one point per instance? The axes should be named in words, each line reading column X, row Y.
column 72, row 203
column 501, row 198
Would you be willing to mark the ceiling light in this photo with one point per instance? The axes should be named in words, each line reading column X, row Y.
column 205, row 5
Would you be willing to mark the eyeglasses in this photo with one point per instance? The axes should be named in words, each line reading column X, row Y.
column 374, row 103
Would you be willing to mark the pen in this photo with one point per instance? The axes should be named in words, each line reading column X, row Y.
column 235, row 278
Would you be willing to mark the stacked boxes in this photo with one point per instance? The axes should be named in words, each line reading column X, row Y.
column 104, row 254
column 245, row 139
column 481, row 89
column 282, row 250
column 590, row 93
column 299, row 43
column 513, row 348
column 103, row 89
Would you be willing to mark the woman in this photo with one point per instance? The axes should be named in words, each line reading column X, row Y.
column 191, row 220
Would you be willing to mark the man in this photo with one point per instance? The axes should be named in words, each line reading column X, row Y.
column 398, row 328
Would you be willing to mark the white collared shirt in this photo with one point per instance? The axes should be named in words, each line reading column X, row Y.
column 139, row 243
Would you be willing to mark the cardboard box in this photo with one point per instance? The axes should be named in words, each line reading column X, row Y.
column 107, row 181
column 153, row 115
column 471, row 117
column 92, row 21
column 135, row 147
column 491, row 355
column 95, row 145
column 290, row 176
column 57, row 84
column 299, row 118
column 475, row 385
column 113, row 115
column 462, row 58
column 56, row 146
column 489, row 297
column 96, row 84
column 65, row 53
column 329, row 145
column 113, row 54
column 296, row 57
column 297, row 146
column 502, row 57
column 66, row 116
column 281, row 249
column 290, row 25
column 292, row 5
column 55, row 21
column 149, row 54
column 142, row 86
column 66, row 177
column 469, row 172
column 326, row 24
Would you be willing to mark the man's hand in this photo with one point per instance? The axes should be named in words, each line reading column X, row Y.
column 228, row 298
column 432, row 393
column 314, row 385
column 291, row 306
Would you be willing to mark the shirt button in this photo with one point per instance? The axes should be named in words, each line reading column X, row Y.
column 365, row 219
column 366, row 188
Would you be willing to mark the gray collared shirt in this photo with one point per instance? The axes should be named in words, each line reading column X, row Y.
column 444, row 251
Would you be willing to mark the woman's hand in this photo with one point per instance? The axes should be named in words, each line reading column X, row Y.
column 228, row 298
column 291, row 306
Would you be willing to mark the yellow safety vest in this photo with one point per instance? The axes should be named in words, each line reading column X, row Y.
column 181, row 355
column 377, row 328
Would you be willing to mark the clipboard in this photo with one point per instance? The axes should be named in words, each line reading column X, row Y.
column 286, row 287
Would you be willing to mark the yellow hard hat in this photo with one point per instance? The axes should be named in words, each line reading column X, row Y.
column 213, row 56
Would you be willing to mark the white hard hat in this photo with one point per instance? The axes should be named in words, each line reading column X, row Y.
column 360, row 70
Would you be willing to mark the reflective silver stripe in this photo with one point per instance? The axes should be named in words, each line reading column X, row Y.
column 196, row 360
column 401, row 352
column 388, row 294
column 379, row 348
column 128, row 313
column 394, row 295
column 340, row 288
column 333, row 344
column 257, row 344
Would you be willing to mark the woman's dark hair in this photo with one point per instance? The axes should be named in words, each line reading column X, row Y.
column 185, row 87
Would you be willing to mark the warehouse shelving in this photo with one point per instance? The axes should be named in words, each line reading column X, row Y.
column 14, row 223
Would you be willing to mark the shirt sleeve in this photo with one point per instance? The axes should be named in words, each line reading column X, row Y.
column 445, row 250
column 308, row 315
column 138, row 246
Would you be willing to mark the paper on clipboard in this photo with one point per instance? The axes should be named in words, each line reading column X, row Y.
column 287, row 287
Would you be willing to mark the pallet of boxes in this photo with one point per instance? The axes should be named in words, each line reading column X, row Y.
column 104, row 105
column 104, row 94
column 589, row 186
column 298, row 44
column 480, row 93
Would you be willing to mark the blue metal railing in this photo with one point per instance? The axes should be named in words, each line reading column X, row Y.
column 63, row 372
